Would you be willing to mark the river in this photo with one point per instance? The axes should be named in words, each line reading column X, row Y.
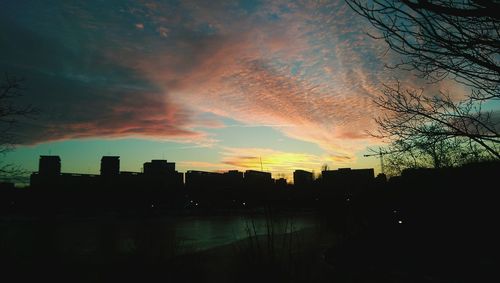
column 129, row 236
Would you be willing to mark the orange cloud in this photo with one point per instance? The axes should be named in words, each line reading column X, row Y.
column 304, row 68
column 273, row 74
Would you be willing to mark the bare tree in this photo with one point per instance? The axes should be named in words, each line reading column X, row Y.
column 10, row 115
column 439, row 38
column 413, row 120
column 436, row 153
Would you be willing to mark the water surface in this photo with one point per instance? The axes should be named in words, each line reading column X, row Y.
column 163, row 235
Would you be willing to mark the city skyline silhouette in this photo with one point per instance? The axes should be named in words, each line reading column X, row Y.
column 250, row 141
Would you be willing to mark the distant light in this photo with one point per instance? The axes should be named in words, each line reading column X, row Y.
column 191, row 201
column 400, row 222
column 196, row 204
column 244, row 203
column 152, row 205
column 348, row 199
column 395, row 211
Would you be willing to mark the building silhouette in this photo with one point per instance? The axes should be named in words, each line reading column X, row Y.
column 49, row 165
column 258, row 177
column 158, row 174
column 49, row 172
column 110, row 166
column 158, row 167
column 159, row 185
column 233, row 178
column 161, row 174
column 302, row 178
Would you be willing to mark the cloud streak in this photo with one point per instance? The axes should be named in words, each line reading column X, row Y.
column 153, row 69
column 304, row 70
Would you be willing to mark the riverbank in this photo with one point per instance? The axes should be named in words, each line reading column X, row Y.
column 290, row 257
column 314, row 254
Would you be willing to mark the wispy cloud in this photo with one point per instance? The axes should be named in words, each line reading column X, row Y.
column 305, row 71
column 153, row 69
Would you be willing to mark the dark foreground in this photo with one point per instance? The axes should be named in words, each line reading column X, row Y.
column 425, row 226
column 316, row 254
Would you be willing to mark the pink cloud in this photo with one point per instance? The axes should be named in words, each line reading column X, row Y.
column 246, row 73
column 305, row 68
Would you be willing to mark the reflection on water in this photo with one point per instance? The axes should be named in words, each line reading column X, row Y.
column 205, row 233
column 162, row 236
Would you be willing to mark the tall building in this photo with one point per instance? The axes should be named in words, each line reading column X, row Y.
column 158, row 167
column 302, row 178
column 160, row 175
column 110, row 166
column 253, row 177
column 49, row 165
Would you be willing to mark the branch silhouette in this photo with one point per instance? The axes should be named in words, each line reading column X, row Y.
column 10, row 116
column 439, row 39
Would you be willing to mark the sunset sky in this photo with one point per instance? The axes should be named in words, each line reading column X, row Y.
column 210, row 85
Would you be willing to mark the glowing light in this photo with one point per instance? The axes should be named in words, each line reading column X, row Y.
column 271, row 160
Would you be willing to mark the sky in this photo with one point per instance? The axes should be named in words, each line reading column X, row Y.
column 210, row 85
